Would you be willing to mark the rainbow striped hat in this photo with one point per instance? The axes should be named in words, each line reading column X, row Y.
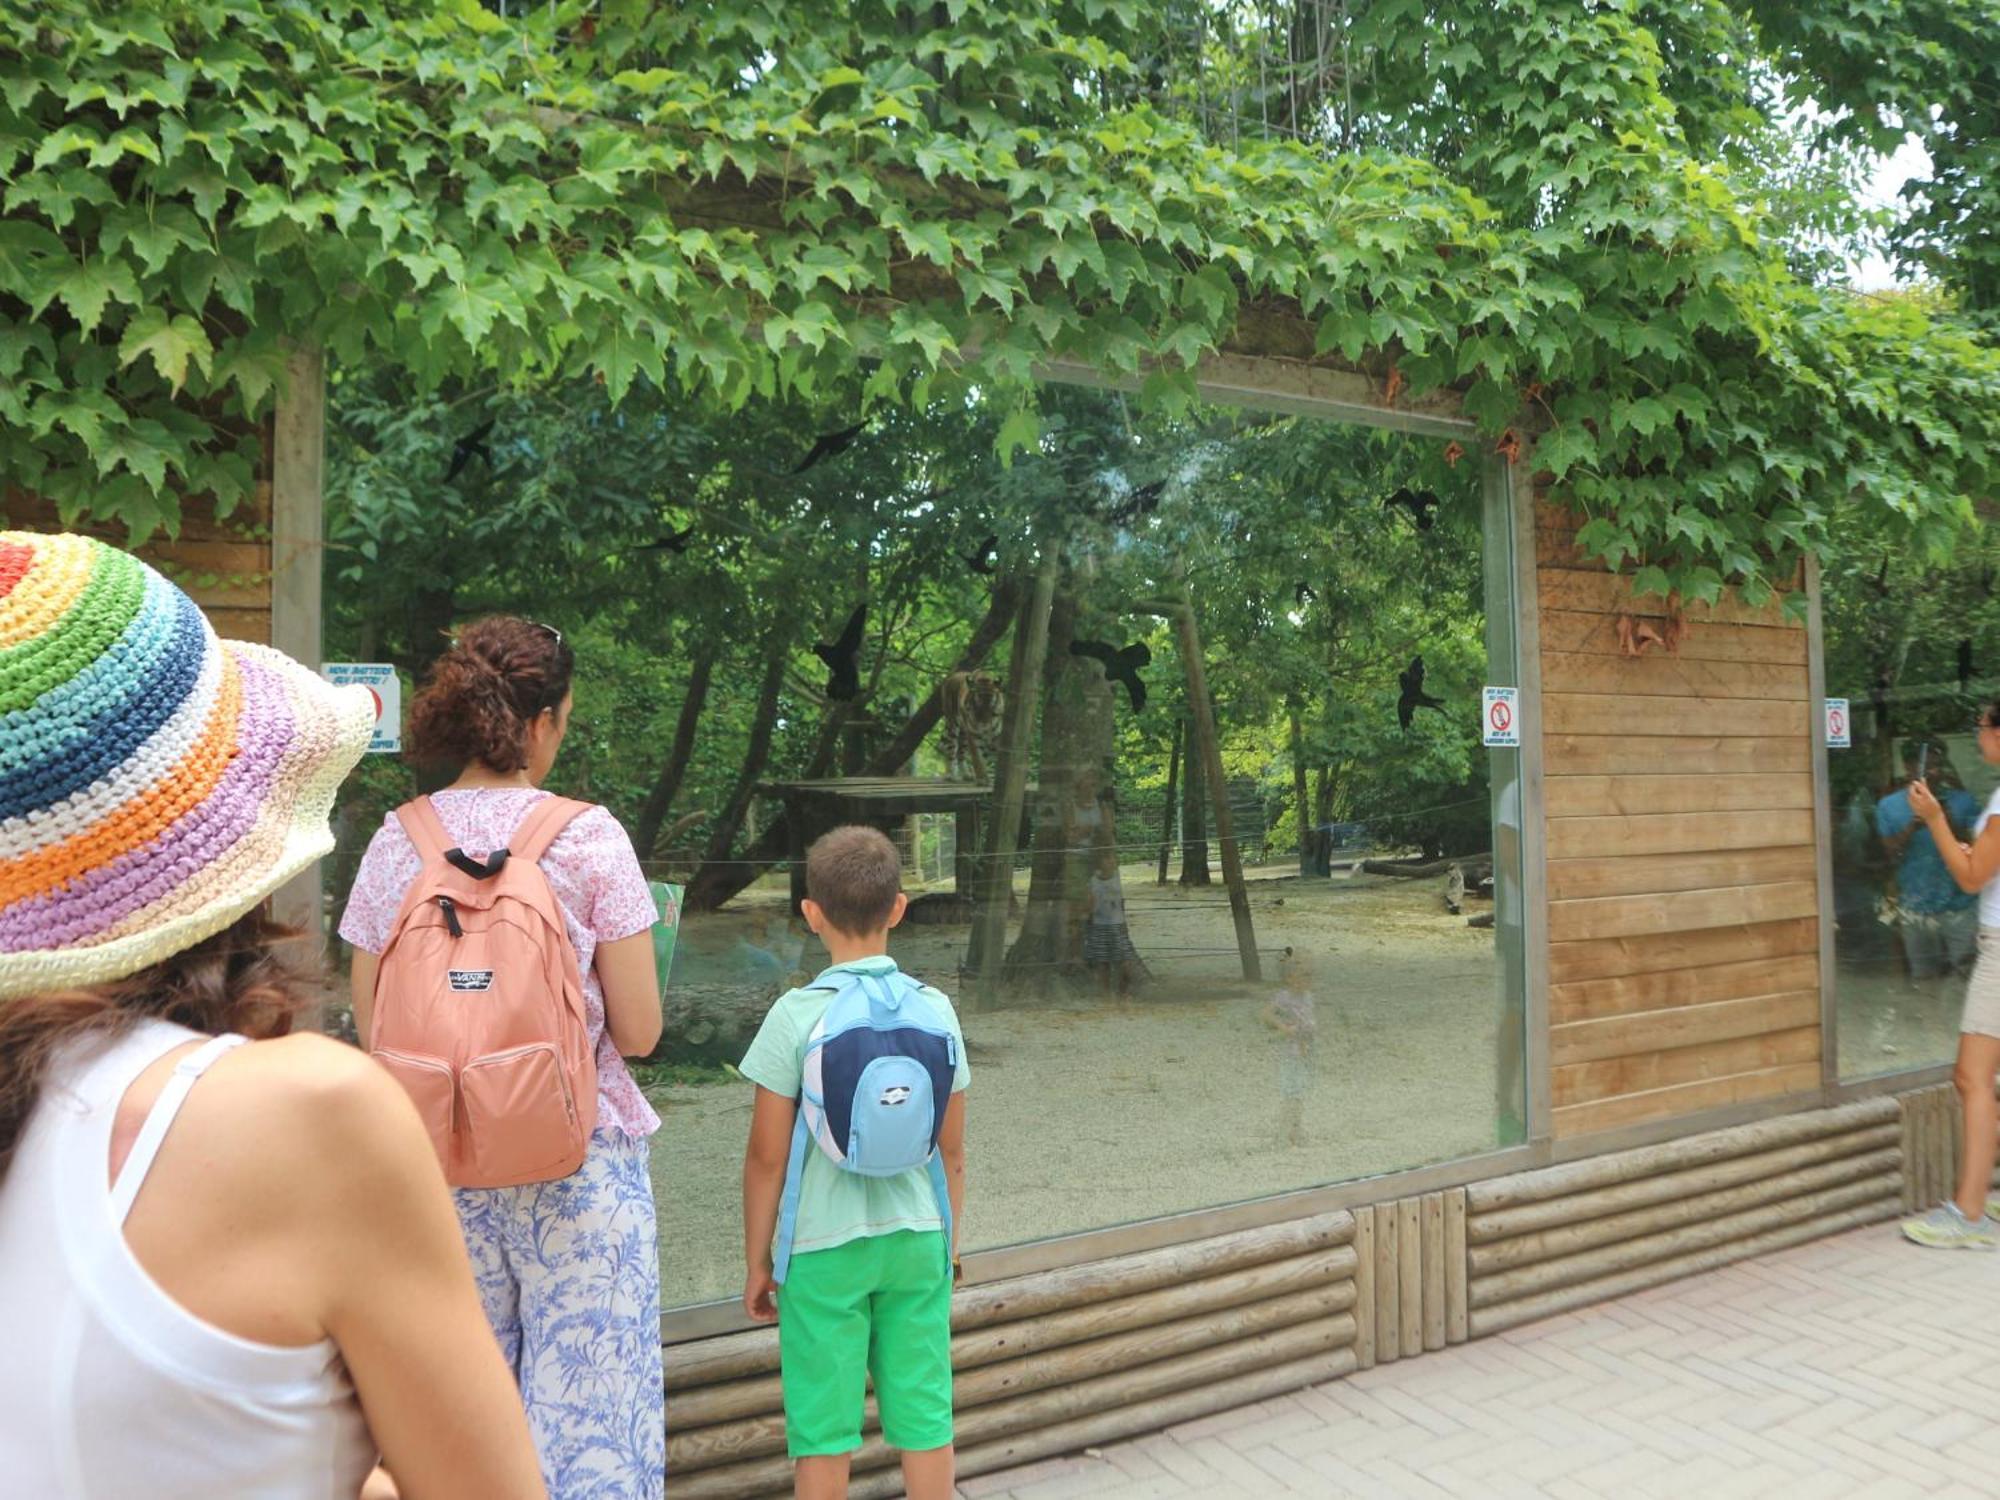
column 156, row 782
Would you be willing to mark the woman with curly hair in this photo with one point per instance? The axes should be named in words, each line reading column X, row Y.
column 568, row 1269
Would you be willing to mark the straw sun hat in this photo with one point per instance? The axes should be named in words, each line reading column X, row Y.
column 156, row 782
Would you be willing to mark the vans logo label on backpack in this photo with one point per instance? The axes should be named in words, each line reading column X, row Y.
column 470, row 979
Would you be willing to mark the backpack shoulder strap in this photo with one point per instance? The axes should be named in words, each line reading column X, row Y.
column 425, row 828
column 542, row 825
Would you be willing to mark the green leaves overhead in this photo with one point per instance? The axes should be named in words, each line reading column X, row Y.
column 759, row 200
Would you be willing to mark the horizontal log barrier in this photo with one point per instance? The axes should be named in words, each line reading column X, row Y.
column 707, row 1447
column 737, row 1355
column 1492, row 1320
column 1668, row 1187
column 1033, row 1413
column 1611, row 1229
column 758, row 1395
column 1544, row 1183
column 1589, row 1265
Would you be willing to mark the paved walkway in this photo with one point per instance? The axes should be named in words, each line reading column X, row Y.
column 1855, row 1366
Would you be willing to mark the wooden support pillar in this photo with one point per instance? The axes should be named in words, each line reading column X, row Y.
column 1209, row 747
column 1010, row 782
column 298, row 530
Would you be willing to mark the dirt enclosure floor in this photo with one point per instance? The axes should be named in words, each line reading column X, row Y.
column 1086, row 1112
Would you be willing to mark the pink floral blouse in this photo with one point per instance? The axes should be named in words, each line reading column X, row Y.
column 595, row 877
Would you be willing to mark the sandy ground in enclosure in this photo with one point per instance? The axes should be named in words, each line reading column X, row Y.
column 1084, row 1115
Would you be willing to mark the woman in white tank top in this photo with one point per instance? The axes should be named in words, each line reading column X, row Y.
column 1965, row 1220
column 228, row 1263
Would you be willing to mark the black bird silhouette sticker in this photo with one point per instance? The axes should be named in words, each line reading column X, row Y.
column 843, row 676
column 1121, row 664
column 827, row 444
column 980, row 558
column 1964, row 665
column 1143, row 501
column 675, row 542
column 1419, row 503
column 469, row 447
column 1414, row 697
column 1882, row 579
column 1878, row 699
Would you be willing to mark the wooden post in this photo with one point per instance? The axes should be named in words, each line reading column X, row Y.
column 298, row 526
column 1434, row 1270
column 1388, row 1288
column 1454, row 1266
column 1167, row 820
column 1410, row 1273
column 1210, row 749
column 1364, row 1288
column 996, row 885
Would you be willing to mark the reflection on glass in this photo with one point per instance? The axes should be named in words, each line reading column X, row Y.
column 1915, row 650
column 1176, row 722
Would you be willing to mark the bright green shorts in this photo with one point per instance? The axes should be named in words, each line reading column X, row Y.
column 881, row 1306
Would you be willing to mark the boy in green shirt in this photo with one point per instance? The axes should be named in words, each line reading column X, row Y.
column 868, row 1291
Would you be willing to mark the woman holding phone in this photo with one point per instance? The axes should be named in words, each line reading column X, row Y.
column 1964, row 1222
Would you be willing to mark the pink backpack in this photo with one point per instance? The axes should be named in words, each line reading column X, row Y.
column 479, row 1008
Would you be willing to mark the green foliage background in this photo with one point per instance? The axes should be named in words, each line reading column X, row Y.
column 1573, row 211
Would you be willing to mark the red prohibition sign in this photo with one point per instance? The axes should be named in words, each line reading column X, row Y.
column 1500, row 716
column 1836, row 723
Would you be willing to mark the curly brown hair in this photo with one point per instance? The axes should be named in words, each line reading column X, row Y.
column 234, row 981
column 480, row 696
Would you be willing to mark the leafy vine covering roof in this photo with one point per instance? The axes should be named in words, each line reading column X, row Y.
column 1532, row 203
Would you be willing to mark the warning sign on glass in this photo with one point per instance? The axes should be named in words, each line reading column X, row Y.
column 386, row 688
column 1839, row 728
column 1501, row 721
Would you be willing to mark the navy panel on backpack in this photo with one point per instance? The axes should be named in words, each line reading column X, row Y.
column 878, row 1075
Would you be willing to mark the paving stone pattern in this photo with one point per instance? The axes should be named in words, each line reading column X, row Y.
column 1855, row 1366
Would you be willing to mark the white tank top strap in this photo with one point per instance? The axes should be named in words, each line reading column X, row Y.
column 160, row 1118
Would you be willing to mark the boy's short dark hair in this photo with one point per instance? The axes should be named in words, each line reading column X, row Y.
column 855, row 875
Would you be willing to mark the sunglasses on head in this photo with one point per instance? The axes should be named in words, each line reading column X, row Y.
column 554, row 634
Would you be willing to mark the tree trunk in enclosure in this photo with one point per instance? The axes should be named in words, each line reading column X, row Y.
column 1167, row 816
column 660, row 800
column 1194, row 821
column 720, row 877
column 723, row 834
column 1071, row 821
column 1299, row 807
column 1207, row 752
column 1322, row 815
column 993, row 882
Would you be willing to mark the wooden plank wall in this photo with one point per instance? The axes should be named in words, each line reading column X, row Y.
column 225, row 565
column 1683, row 911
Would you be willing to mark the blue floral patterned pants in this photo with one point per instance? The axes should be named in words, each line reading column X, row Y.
column 569, row 1273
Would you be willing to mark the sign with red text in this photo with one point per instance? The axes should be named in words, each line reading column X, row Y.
column 1500, row 717
column 387, row 689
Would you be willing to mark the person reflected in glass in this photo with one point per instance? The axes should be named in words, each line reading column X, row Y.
column 1935, row 919
column 1294, row 1015
column 1965, row 1220
column 1107, row 941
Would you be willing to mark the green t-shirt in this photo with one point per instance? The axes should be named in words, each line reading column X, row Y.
column 837, row 1206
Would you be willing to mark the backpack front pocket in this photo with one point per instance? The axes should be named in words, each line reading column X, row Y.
column 427, row 1080
column 891, row 1130
column 520, row 1122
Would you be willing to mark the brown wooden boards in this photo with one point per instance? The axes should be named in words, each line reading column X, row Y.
column 1683, row 915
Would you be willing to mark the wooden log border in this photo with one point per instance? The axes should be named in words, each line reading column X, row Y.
column 1056, row 1361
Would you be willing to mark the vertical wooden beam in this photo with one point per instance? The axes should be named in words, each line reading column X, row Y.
column 1829, row 1010
column 1210, row 749
column 298, row 530
column 996, row 884
column 1410, row 1274
column 1364, row 1288
column 1510, row 546
column 1456, row 1267
column 1388, row 1294
column 1434, row 1258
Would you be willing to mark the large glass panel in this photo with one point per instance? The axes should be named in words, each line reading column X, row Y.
column 1916, row 651
column 1233, row 932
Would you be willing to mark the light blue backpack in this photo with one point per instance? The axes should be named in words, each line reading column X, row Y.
column 878, row 1074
